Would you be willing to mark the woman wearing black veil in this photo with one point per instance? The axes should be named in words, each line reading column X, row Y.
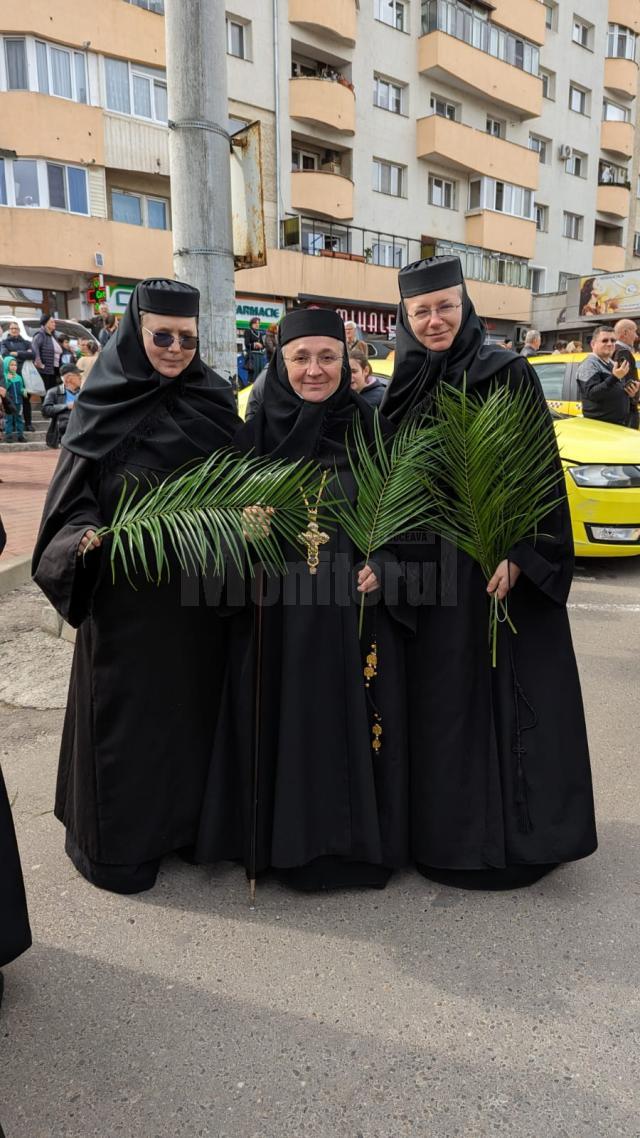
column 148, row 663
column 500, row 779
column 331, row 807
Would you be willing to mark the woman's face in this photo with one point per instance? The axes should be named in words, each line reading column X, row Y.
column 169, row 361
column 359, row 375
column 435, row 317
column 314, row 365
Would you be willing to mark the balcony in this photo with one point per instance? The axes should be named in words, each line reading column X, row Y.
column 58, row 128
column 122, row 30
column 324, row 103
column 336, row 19
column 496, row 302
column 626, row 13
column 614, row 200
column 524, row 17
column 317, row 191
column 493, row 230
column 464, row 148
column 621, row 77
column 608, row 258
column 617, row 138
column 442, row 56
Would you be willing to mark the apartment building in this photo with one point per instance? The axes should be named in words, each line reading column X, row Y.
column 391, row 129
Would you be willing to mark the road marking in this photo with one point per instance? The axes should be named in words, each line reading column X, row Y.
column 585, row 606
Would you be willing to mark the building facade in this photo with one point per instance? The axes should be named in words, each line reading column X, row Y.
column 390, row 129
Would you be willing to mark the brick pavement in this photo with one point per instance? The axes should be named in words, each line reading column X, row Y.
column 25, row 479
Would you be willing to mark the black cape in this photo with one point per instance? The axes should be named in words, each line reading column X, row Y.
column 148, row 662
column 500, row 773
column 330, row 811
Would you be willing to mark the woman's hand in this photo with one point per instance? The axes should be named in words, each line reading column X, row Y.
column 256, row 522
column 367, row 580
column 503, row 579
column 88, row 541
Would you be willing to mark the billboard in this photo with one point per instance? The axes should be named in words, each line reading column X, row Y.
column 609, row 294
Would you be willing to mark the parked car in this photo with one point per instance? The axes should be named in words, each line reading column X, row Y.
column 29, row 326
column 379, row 349
column 558, row 375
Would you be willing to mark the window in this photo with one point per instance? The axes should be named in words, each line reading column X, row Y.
column 237, row 38
column 393, row 12
column 548, row 84
column 469, row 23
column 572, row 226
column 537, row 280
column 150, row 5
column 613, row 112
column 621, row 42
column 33, row 182
column 3, row 184
column 131, row 89
column 576, row 164
column 636, row 244
column 582, row 32
column 503, row 197
column 550, row 15
column 61, row 72
column 440, row 106
column 542, row 217
column 483, row 265
column 137, row 209
column 551, row 378
column 388, row 95
column 388, row 178
column 563, row 280
column 67, row 188
column 303, row 160
column 638, row 187
column 541, row 147
column 610, row 174
column 496, row 127
column 25, row 182
column 15, row 56
column 578, row 99
column 442, row 192
column 387, row 253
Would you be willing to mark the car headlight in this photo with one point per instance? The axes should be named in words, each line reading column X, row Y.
column 614, row 477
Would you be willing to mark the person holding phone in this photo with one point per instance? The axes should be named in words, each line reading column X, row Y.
column 605, row 387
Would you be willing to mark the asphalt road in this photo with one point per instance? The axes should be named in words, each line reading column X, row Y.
column 421, row 1011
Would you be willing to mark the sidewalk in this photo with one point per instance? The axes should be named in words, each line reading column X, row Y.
column 25, row 480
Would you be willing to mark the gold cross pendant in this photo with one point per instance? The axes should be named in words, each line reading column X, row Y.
column 313, row 538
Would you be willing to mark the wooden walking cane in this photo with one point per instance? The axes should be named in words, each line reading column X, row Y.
column 257, row 713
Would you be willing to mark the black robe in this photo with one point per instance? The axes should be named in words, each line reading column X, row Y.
column 149, row 661
column 499, row 759
column 331, row 811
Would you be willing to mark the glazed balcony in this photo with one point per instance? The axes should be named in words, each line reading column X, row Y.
column 621, row 77
column 319, row 192
column 617, row 138
column 122, row 30
column 442, row 56
column 464, row 148
column 524, row 17
column 323, row 103
column 609, row 258
column 76, row 137
column 335, row 19
column 626, row 13
column 491, row 229
column 614, row 200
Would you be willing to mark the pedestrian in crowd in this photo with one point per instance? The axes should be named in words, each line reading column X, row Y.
column 13, row 344
column 15, row 934
column 532, row 342
column 626, row 333
column 605, row 387
column 83, row 342
column 148, row 669
column 559, row 347
column 47, row 352
column 109, row 330
column 500, row 783
column 99, row 321
column 331, row 811
column 575, row 346
column 508, row 344
column 59, row 402
column 256, row 395
column 254, row 347
column 271, row 341
column 87, row 359
column 13, row 391
column 354, row 339
column 362, row 379
column 67, row 355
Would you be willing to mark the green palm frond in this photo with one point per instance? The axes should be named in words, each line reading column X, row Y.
column 197, row 517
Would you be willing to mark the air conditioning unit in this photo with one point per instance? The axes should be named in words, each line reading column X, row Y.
column 564, row 151
column 99, row 259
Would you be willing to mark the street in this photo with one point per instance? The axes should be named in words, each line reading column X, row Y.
column 419, row 1011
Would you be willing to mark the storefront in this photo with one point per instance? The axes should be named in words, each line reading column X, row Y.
column 377, row 320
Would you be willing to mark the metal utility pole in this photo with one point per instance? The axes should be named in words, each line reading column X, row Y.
column 200, row 169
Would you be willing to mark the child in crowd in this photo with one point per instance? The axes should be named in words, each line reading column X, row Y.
column 13, row 389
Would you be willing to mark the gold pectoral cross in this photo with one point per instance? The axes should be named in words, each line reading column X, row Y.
column 313, row 538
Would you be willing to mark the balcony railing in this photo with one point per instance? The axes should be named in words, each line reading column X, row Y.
column 456, row 20
column 150, row 5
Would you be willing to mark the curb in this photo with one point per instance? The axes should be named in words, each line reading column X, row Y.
column 14, row 572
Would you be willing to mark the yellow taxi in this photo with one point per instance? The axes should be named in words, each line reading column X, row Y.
column 558, row 375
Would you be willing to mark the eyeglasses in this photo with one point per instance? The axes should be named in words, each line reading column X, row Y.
column 442, row 311
column 324, row 360
column 166, row 340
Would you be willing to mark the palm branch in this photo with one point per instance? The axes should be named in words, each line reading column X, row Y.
column 199, row 516
column 389, row 496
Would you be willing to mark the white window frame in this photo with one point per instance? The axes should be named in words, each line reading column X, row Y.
column 625, row 115
column 636, row 244
column 541, row 213
column 244, row 26
column 541, row 146
column 153, row 75
column 4, row 73
column 447, row 107
column 393, row 13
column 304, row 154
column 573, row 222
column 620, row 37
column 388, row 254
column 396, row 172
column 43, row 184
column 144, row 199
column 576, row 164
column 582, row 32
column 395, row 94
column 492, row 123
column 49, row 47
column 584, row 99
column 548, row 79
column 445, row 188
column 551, row 15
column 515, row 201
column 542, row 279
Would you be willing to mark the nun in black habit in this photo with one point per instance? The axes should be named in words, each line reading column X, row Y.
column 500, row 776
column 331, row 809
column 148, row 664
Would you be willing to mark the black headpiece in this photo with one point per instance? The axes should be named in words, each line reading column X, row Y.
column 168, row 298
column 430, row 275
column 310, row 322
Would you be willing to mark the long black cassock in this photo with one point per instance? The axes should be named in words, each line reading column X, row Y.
column 147, row 668
column 499, row 759
column 331, row 811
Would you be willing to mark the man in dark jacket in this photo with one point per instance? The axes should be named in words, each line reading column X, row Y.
column 604, row 386
column 626, row 334
column 47, row 352
column 15, row 345
column 58, row 403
